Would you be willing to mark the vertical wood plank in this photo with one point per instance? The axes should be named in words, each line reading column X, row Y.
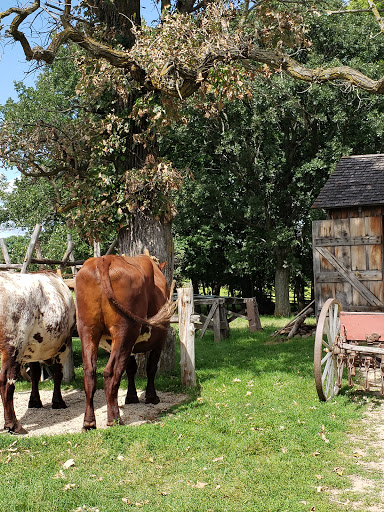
column 253, row 315
column 374, row 254
column 343, row 292
column 358, row 256
column 316, row 267
column 216, row 323
column 187, row 337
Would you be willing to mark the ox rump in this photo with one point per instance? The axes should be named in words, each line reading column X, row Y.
column 124, row 306
column 37, row 315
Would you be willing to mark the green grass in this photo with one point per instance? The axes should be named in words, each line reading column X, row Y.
column 252, row 437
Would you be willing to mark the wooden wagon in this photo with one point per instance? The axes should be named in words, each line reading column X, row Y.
column 348, row 274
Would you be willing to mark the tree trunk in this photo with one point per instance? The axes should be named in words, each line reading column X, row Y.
column 142, row 233
column 300, row 292
column 145, row 232
column 282, row 275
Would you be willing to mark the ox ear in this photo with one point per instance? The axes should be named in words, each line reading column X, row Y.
column 162, row 265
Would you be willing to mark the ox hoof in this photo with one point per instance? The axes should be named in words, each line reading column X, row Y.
column 132, row 399
column 88, row 426
column 34, row 404
column 115, row 423
column 59, row 405
column 17, row 429
column 152, row 400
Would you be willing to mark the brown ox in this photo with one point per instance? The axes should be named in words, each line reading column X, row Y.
column 123, row 305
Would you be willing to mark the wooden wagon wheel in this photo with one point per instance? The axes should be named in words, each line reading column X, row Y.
column 325, row 361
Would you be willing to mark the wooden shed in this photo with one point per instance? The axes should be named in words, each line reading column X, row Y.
column 348, row 246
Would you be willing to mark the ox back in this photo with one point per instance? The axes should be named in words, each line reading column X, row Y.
column 37, row 315
column 123, row 306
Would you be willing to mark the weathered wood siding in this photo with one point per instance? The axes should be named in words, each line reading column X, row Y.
column 348, row 262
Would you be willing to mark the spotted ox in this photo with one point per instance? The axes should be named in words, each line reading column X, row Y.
column 37, row 314
column 123, row 306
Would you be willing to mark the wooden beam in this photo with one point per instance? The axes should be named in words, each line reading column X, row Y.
column 11, row 266
column 4, row 251
column 276, row 333
column 111, row 247
column 39, row 254
column 331, row 241
column 31, row 248
column 68, row 252
column 57, row 262
column 215, row 305
column 361, row 275
column 71, row 257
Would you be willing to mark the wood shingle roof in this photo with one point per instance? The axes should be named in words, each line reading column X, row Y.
column 357, row 181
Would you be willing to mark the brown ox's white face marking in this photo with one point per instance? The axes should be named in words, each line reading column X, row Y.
column 11, row 382
column 37, row 314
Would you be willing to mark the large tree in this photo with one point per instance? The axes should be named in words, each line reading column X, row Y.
column 143, row 71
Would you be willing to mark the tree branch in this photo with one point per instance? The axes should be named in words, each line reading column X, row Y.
column 179, row 80
column 376, row 14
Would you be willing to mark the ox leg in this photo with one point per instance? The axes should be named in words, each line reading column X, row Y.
column 34, row 399
column 150, row 392
column 9, row 372
column 89, row 353
column 117, row 363
column 57, row 375
column 112, row 378
column 131, row 397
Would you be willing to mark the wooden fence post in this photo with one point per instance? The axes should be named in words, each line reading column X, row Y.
column 96, row 249
column 253, row 315
column 31, row 248
column 71, row 256
column 69, row 367
column 187, row 336
column 4, row 251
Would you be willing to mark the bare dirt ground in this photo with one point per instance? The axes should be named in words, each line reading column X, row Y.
column 48, row 421
column 365, row 492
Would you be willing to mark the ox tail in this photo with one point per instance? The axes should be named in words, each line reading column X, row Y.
column 162, row 317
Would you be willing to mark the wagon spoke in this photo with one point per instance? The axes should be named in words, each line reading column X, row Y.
column 326, row 345
column 326, row 357
column 326, row 370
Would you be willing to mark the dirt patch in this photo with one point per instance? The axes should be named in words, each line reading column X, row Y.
column 48, row 421
column 366, row 488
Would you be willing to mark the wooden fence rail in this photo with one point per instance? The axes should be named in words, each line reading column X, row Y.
column 218, row 320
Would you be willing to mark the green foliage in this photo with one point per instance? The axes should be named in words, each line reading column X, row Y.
column 257, row 162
